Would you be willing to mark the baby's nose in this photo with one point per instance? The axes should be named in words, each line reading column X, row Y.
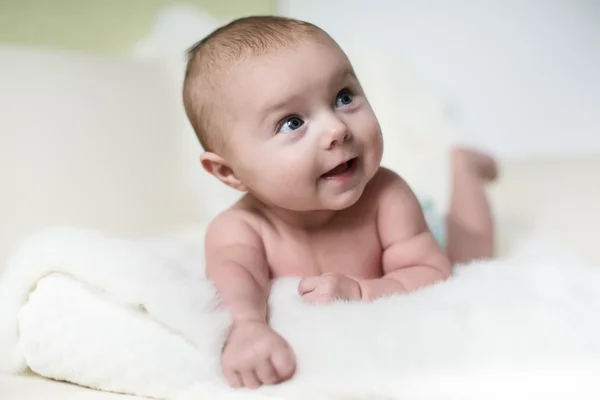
column 336, row 134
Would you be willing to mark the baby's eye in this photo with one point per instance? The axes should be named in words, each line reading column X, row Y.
column 291, row 124
column 344, row 98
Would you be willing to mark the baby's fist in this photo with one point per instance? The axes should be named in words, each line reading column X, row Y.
column 329, row 287
column 255, row 355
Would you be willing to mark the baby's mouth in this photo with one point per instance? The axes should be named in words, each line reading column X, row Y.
column 342, row 169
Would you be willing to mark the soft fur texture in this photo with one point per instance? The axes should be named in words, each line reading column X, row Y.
column 113, row 314
column 137, row 317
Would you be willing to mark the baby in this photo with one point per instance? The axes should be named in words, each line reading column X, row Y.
column 282, row 116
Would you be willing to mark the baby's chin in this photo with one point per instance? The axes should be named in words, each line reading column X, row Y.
column 342, row 201
column 330, row 202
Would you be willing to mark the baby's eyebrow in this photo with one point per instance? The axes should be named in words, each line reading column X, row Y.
column 274, row 107
column 349, row 71
column 346, row 74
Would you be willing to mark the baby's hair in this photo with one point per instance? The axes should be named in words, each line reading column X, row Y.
column 211, row 57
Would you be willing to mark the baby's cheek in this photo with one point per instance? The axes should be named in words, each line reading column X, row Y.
column 373, row 127
column 295, row 176
column 372, row 135
column 284, row 175
column 365, row 124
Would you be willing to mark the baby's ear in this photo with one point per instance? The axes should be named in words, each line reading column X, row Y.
column 217, row 166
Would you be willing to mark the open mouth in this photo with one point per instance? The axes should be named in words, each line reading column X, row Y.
column 345, row 168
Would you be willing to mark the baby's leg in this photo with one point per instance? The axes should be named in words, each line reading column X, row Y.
column 470, row 222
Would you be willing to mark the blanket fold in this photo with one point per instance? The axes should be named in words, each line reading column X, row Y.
column 109, row 313
column 138, row 317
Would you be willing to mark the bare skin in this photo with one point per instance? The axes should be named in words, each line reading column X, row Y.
column 306, row 147
column 470, row 222
column 359, row 253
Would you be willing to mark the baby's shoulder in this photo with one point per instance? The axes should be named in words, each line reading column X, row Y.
column 237, row 224
column 394, row 199
column 387, row 183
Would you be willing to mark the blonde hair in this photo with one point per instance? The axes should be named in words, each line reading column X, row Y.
column 212, row 56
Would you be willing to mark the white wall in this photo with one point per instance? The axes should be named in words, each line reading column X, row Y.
column 88, row 142
column 524, row 74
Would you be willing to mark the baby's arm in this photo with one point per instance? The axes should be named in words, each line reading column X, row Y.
column 237, row 267
column 235, row 262
column 411, row 256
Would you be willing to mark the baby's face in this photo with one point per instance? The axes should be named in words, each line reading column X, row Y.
column 300, row 133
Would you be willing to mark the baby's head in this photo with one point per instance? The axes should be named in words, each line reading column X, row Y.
column 280, row 113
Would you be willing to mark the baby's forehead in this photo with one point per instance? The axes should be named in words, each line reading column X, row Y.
column 276, row 61
column 257, row 82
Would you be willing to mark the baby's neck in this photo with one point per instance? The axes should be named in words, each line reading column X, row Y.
column 303, row 220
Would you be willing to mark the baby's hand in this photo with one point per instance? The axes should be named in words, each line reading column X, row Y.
column 255, row 355
column 329, row 287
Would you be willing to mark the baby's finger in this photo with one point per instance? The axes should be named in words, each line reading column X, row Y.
column 317, row 297
column 308, row 284
column 284, row 363
column 310, row 297
column 233, row 377
column 266, row 373
column 250, row 379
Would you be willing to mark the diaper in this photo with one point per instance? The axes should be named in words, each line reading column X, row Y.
column 435, row 220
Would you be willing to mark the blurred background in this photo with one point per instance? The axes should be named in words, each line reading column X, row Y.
column 107, row 26
column 92, row 131
column 524, row 74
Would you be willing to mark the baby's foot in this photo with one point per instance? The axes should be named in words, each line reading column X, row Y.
column 482, row 164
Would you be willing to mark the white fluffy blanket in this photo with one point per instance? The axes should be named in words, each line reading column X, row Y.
column 137, row 317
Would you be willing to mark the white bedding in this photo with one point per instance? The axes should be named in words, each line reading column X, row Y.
column 136, row 317
column 31, row 387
